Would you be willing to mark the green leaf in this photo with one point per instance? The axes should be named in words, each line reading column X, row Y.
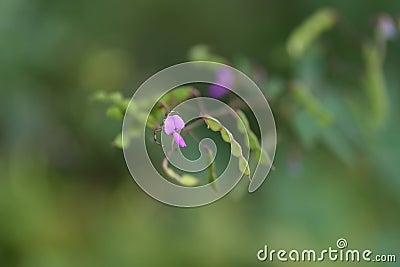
column 117, row 109
column 171, row 99
column 112, row 98
column 203, row 53
column 262, row 156
column 253, row 141
column 308, row 31
column 245, row 125
column 185, row 179
column 115, row 113
column 236, row 149
column 211, row 169
column 375, row 84
column 116, row 98
column 118, row 141
column 188, row 180
column 178, row 95
column 118, row 105
column 306, row 99
column 213, row 124
column 253, row 144
column 100, row 96
column 244, row 166
column 226, row 136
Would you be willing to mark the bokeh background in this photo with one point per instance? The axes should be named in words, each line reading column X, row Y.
column 66, row 196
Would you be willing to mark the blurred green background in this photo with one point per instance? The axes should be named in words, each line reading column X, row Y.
column 66, row 196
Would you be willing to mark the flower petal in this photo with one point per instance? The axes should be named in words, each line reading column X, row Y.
column 223, row 81
column 169, row 125
column 179, row 139
column 225, row 77
column 217, row 91
column 179, row 123
column 173, row 123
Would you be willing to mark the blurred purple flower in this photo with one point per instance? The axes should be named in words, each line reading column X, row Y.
column 387, row 26
column 224, row 79
column 172, row 125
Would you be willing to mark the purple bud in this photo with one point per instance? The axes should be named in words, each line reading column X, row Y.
column 224, row 79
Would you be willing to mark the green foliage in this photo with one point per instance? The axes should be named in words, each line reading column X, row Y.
column 203, row 53
column 67, row 199
column 253, row 143
column 185, row 179
column 118, row 107
column 212, row 176
column 375, row 85
column 118, row 142
column 317, row 114
column 227, row 136
column 309, row 102
column 308, row 31
column 117, row 103
column 170, row 100
column 115, row 113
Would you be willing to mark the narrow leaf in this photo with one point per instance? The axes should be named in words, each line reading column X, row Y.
column 253, row 142
column 185, row 180
column 308, row 31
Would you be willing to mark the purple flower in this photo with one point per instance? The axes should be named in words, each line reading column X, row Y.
column 224, row 79
column 387, row 27
column 172, row 125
